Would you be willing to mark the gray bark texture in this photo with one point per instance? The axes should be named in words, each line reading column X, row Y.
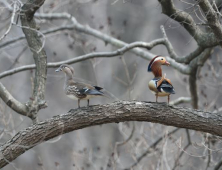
column 29, row 28
column 119, row 111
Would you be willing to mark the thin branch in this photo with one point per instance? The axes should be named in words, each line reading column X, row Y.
column 49, row 31
column 185, row 59
column 118, row 144
column 108, row 39
column 120, row 51
column 11, row 22
column 126, row 140
column 12, row 102
column 184, row 149
column 18, row 57
column 151, row 147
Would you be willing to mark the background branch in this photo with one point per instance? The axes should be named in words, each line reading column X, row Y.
column 151, row 147
column 120, row 51
column 12, row 102
column 212, row 19
column 181, row 100
column 203, row 39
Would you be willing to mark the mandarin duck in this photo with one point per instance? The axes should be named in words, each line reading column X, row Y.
column 76, row 90
column 159, row 85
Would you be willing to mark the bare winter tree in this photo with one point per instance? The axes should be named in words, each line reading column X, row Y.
column 111, row 44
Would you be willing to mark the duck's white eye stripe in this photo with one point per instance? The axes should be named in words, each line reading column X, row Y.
column 158, row 58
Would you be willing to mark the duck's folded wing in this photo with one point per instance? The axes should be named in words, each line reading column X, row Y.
column 166, row 87
column 74, row 90
column 88, row 91
column 85, row 89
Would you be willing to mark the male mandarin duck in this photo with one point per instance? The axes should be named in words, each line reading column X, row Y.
column 76, row 90
column 159, row 85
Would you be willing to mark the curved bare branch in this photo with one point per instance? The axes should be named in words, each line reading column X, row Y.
column 212, row 19
column 12, row 102
column 101, row 114
column 203, row 39
column 120, row 51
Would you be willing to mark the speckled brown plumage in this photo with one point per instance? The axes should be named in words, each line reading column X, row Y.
column 78, row 90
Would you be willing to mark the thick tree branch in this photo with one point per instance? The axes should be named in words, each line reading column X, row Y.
column 194, row 65
column 30, row 7
column 204, row 40
column 29, row 28
column 212, row 19
column 185, row 59
column 193, row 88
column 109, row 113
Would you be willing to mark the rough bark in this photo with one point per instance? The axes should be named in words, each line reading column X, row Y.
column 193, row 88
column 36, row 46
column 204, row 39
column 212, row 19
column 120, row 111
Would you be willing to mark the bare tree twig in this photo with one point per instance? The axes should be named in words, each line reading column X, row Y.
column 118, row 144
column 120, row 51
column 172, row 53
column 185, row 148
column 86, row 29
column 108, row 39
column 12, row 102
column 204, row 40
column 17, row 58
column 49, row 31
column 11, row 23
column 212, row 18
column 152, row 146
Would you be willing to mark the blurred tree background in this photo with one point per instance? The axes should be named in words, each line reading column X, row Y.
column 193, row 34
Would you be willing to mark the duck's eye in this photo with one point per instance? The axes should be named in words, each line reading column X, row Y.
column 161, row 58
